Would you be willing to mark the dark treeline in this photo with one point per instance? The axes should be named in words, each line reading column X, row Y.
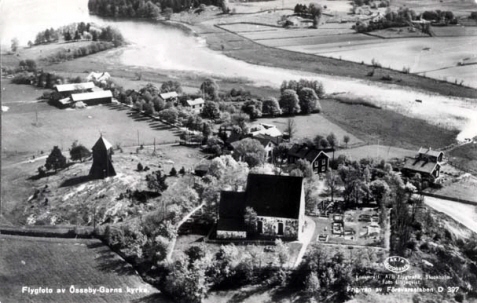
column 141, row 8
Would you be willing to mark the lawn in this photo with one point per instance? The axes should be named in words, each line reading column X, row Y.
column 311, row 125
column 376, row 151
column 465, row 188
column 61, row 263
column 391, row 128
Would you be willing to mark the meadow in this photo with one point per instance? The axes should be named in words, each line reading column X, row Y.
column 61, row 263
column 376, row 151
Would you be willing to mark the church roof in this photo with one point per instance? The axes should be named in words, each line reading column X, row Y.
column 102, row 144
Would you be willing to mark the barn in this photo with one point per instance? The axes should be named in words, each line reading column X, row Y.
column 93, row 98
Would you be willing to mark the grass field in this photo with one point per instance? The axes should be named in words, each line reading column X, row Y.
column 465, row 189
column 391, row 128
column 62, row 263
column 376, row 151
column 312, row 125
column 465, row 156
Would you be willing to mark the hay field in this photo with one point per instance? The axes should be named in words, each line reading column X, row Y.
column 60, row 263
column 376, row 151
column 312, row 125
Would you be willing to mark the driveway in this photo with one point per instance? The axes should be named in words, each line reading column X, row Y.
column 306, row 239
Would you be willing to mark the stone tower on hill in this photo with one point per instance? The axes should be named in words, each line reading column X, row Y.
column 102, row 163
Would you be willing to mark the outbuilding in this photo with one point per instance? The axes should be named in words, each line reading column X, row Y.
column 93, row 98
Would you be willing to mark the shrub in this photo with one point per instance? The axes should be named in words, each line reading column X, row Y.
column 140, row 167
column 182, row 171
column 173, row 172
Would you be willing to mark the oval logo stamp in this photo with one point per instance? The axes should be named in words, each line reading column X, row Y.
column 397, row 264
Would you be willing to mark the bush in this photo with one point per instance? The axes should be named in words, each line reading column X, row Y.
column 173, row 172
column 182, row 171
column 140, row 167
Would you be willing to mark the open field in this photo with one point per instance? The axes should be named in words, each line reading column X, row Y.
column 465, row 156
column 63, row 127
column 62, row 263
column 462, row 213
column 458, row 7
column 465, row 188
column 376, row 151
column 391, row 128
column 312, row 125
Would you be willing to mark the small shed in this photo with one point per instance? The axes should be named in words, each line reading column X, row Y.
column 169, row 97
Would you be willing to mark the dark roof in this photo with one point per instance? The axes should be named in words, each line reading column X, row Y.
column 306, row 152
column 430, row 152
column 232, row 205
column 420, row 166
column 264, row 139
column 102, row 144
column 274, row 196
column 311, row 156
column 234, row 224
column 234, row 137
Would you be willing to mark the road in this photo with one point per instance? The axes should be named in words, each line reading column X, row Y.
column 463, row 213
column 173, row 243
column 307, row 238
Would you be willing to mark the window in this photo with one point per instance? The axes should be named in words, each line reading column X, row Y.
column 323, row 162
column 323, row 168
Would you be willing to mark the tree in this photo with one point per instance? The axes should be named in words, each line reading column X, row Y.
column 290, row 129
column 380, row 191
column 158, row 103
column 225, row 6
column 67, row 36
column 155, row 181
column 30, row 44
column 77, row 36
column 79, row 152
column 282, row 252
column 250, row 151
column 210, row 89
column 14, row 45
column 289, row 102
column 253, row 108
column 312, row 283
column 305, row 167
column 173, row 172
column 324, row 143
column 171, row 86
column 55, row 160
column 346, row 140
column 332, row 140
column 168, row 13
column 211, row 110
column 308, row 101
column 250, row 219
column 332, row 182
column 271, row 107
column 170, row 115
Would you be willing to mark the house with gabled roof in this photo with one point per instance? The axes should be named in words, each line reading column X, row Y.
column 169, row 97
column 196, row 105
column 279, row 202
column 268, row 143
column 318, row 158
column 427, row 163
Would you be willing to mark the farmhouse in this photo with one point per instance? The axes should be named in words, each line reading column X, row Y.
column 427, row 163
column 268, row 143
column 196, row 105
column 318, row 158
column 93, row 98
column 102, row 162
column 278, row 201
column 169, row 97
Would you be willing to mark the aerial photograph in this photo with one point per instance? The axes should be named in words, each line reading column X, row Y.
column 242, row 151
